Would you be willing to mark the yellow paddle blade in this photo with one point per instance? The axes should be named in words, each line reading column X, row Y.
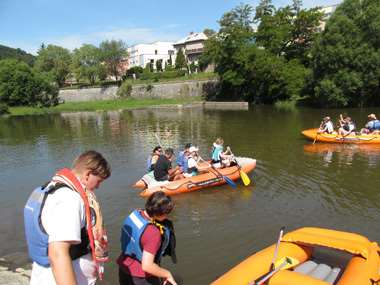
column 291, row 262
column 245, row 178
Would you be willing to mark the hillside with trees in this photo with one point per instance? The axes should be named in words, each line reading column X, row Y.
column 19, row 54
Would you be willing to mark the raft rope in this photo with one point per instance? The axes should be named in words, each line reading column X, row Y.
column 192, row 182
column 357, row 137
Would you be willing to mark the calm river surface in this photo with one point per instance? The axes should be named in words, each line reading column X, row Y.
column 295, row 183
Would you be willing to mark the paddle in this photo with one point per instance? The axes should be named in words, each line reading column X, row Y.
column 276, row 249
column 229, row 181
column 244, row 177
column 315, row 138
column 286, row 262
column 158, row 139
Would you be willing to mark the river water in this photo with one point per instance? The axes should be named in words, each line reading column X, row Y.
column 295, row 184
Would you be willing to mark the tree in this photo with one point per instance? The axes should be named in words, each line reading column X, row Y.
column 7, row 53
column 159, row 65
column 54, row 60
column 180, row 60
column 87, row 63
column 346, row 58
column 265, row 8
column 209, row 32
column 20, row 85
column 289, row 31
column 112, row 53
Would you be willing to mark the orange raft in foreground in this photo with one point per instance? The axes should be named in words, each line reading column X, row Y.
column 335, row 138
column 203, row 180
column 362, row 268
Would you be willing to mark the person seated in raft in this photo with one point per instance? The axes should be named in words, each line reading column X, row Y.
column 372, row 126
column 220, row 158
column 163, row 170
column 193, row 168
column 152, row 159
column 347, row 126
column 182, row 158
column 326, row 126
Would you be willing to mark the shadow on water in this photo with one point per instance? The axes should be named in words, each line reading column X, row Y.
column 294, row 184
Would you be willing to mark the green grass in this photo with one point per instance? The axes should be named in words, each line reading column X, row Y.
column 194, row 76
column 101, row 105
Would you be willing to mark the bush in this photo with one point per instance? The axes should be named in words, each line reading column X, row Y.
column 124, row 90
column 20, row 85
column 4, row 109
column 137, row 70
column 287, row 105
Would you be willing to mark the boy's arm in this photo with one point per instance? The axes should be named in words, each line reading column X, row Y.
column 61, row 263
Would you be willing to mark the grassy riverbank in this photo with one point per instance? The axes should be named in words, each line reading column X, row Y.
column 188, row 77
column 101, row 105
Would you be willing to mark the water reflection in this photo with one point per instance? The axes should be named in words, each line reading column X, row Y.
column 294, row 184
column 345, row 153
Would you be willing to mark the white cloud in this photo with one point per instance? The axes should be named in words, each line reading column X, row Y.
column 129, row 35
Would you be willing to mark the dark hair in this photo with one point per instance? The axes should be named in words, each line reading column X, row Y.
column 158, row 204
column 157, row 148
column 169, row 151
column 188, row 145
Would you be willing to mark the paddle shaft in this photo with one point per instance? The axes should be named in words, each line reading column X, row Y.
column 269, row 274
column 276, row 248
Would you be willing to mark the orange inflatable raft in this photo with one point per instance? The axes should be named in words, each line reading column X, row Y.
column 362, row 267
column 207, row 179
column 335, row 138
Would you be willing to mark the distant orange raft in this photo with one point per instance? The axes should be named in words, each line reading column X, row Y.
column 362, row 269
column 335, row 138
column 207, row 179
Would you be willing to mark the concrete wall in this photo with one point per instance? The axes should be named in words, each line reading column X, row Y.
column 161, row 90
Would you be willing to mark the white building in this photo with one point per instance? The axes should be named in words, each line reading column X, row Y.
column 327, row 12
column 142, row 54
column 192, row 46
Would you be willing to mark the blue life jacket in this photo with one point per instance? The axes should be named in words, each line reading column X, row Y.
column 36, row 236
column 131, row 232
column 216, row 151
column 373, row 125
column 179, row 159
column 182, row 161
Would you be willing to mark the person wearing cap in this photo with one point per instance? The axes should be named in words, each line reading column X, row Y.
column 326, row 126
column 193, row 168
column 372, row 126
column 182, row 158
column 163, row 170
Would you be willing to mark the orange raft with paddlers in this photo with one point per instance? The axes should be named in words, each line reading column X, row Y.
column 212, row 177
column 296, row 263
column 313, row 135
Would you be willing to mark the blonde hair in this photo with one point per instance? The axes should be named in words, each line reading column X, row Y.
column 219, row 141
column 93, row 161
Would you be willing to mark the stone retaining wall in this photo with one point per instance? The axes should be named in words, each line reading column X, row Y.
column 160, row 90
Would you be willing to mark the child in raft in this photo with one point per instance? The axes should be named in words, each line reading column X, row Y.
column 193, row 167
column 326, row 126
column 220, row 158
column 347, row 126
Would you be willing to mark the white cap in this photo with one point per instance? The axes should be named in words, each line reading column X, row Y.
column 193, row 149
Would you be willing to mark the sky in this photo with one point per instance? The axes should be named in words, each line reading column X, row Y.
column 26, row 24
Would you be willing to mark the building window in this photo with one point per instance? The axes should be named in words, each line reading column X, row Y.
column 155, row 51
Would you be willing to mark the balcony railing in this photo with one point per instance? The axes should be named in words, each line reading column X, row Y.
column 194, row 50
